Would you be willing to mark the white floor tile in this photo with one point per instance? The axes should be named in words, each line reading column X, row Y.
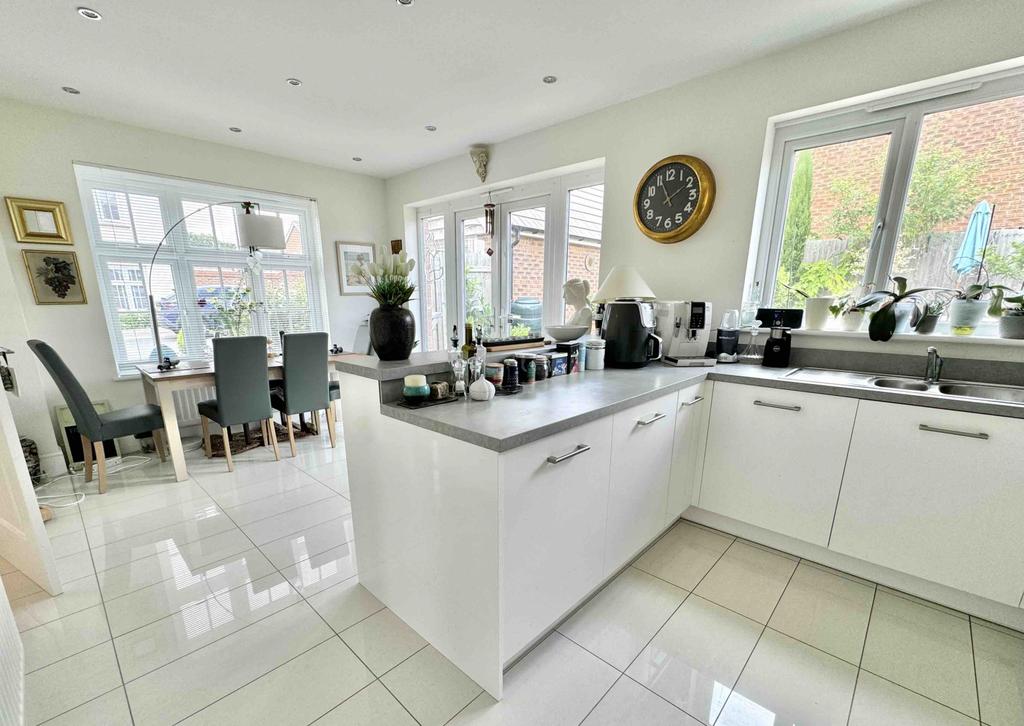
column 999, row 656
column 621, row 619
column 324, row 570
column 430, row 687
column 17, row 585
column 233, row 497
column 156, row 507
column 556, row 683
column 64, row 520
column 878, row 701
column 313, row 454
column 310, row 541
column 197, row 625
column 191, row 683
column 71, row 543
column 170, row 596
column 267, row 530
column 696, row 658
column 827, row 610
column 749, row 580
column 69, row 683
column 55, row 641
column 116, row 527
column 297, row 692
column 372, row 706
column 40, row 607
column 345, row 604
column 164, row 539
column 382, row 641
column 213, row 475
column 630, row 704
column 923, row 648
column 333, row 475
column 277, row 504
column 684, row 555
column 75, row 566
column 110, row 709
column 792, row 682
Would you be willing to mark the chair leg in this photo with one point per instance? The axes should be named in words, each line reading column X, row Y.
column 291, row 436
column 227, row 447
column 330, row 425
column 158, row 442
column 207, row 448
column 87, row 452
column 263, row 433
column 101, row 465
column 273, row 438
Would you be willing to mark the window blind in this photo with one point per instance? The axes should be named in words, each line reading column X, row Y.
column 204, row 284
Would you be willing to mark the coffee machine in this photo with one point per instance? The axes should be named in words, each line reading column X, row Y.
column 685, row 328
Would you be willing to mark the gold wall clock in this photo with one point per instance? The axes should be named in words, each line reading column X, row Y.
column 674, row 198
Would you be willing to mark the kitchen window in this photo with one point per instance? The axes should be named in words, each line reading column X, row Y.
column 203, row 283
column 889, row 188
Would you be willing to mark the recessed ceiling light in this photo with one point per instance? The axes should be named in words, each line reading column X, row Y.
column 430, row 127
column 234, row 129
column 357, row 158
column 293, row 81
column 69, row 89
column 550, row 79
column 406, row 3
column 89, row 14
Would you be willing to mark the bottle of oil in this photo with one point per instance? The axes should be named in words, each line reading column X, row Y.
column 469, row 346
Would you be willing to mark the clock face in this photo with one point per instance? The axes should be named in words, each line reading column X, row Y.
column 674, row 198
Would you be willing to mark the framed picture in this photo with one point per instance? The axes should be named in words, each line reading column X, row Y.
column 55, row 277
column 37, row 221
column 349, row 255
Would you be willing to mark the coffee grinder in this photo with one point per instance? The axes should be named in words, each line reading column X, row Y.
column 777, row 348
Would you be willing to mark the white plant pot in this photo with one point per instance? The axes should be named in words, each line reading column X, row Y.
column 852, row 321
column 964, row 315
column 816, row 312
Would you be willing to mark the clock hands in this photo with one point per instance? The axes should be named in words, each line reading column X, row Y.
column 668, row 199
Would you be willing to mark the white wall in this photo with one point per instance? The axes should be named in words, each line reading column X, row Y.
column 38, row 148
column 722, row 118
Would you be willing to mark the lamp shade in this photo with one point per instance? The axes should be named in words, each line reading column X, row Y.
column 623, row 282
column 262, row 231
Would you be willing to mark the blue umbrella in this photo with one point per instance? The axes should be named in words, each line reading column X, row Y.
column 972, row 249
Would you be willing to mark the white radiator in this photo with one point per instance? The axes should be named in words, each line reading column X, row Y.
column 185, row 402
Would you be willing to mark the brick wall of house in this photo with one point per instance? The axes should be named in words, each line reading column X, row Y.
column 528, row 263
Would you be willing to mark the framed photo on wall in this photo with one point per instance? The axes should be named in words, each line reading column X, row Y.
column 351, row 254
column 55, row 277
column 37, row 221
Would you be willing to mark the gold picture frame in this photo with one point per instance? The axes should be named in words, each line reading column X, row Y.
column 38, row 221
column 55, row 277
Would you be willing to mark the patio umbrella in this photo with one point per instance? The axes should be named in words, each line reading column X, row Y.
column 972, row 249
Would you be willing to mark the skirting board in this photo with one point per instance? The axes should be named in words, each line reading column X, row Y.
column 980, row 607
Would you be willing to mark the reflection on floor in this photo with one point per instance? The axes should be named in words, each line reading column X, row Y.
column 232, row 598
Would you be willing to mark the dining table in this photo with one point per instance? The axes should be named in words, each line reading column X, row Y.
column 159, row 386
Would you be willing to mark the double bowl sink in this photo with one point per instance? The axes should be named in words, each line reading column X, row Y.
column 957, row 389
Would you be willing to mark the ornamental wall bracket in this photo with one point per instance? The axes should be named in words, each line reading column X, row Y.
column 480, row 154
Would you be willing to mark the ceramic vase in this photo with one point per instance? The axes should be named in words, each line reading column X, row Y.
column 964, row 315
column 852, row 321
column 392, row 332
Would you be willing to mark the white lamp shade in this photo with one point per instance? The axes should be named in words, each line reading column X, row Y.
column 623, row 282
column 261, row 231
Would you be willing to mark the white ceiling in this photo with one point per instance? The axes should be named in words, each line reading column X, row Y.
column 374, row 72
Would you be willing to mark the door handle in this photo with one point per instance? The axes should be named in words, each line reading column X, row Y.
column 580, row 449
column 694, row 402
column 953, row 432
column 649, row 421
column 779, row 406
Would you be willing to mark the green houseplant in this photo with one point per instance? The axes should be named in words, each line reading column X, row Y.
column 1011, row 315
column 887, row 316
column 392, row 326
column 970, row 306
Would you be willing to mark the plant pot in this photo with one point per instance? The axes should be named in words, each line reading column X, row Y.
column 392, row 332
column 816, row 312
column 1011, row 326
column 904, row 311
column 852, row 321
column 927, row 324
column 964, row 315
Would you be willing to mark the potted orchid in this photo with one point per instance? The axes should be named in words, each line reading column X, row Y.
column 392, row 326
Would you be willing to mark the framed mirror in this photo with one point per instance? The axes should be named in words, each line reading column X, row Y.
column 37, row 221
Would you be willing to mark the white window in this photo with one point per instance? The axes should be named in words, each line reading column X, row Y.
column 511, row 280
column 888, row 188
column 203, row 284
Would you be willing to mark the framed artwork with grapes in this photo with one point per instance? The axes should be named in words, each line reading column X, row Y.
column 55, row 277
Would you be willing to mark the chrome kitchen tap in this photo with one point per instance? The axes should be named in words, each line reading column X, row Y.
column 933, row 369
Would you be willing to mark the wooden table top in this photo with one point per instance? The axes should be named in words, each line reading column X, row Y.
column 198, row 369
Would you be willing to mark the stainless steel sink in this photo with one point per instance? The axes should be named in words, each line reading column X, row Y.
column 958, row 389
column 902, row 384
column 982, row 390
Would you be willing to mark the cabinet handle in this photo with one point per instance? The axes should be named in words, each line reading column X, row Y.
column 953, row 432
column 776, row 405
column 694, row 402
column 649, row 421
column 580, row 449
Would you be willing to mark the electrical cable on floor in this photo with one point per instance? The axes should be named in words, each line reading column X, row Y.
column 127, row 463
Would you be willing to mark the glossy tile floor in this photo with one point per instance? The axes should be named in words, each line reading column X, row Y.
column 234, row 599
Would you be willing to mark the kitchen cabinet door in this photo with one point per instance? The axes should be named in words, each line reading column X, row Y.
column 641, row 460
column 687, row 449
column 553, row 523
column 775, row 458
column 937, row 494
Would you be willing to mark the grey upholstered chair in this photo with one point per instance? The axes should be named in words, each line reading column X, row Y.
column 305, row 385
column 93, row 426
column 240, row 374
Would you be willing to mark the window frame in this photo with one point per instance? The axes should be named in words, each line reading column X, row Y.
column 902, row 114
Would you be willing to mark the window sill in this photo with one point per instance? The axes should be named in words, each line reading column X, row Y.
column 938, row 337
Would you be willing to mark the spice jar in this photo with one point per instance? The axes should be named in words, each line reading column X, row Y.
column 595, row 354
column 510, row 378
column 527, row 367
column 541, row 364
column 495, row 373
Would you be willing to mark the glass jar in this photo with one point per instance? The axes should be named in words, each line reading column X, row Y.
column 541, row 365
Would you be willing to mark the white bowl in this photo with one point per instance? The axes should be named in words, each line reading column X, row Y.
column 566, row 333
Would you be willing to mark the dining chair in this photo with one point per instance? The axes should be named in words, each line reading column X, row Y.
column 96, row 427
column 240, row 375
column 305, row 387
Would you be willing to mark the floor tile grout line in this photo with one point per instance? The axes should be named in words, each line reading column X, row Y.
column 620, row 675
column 64, row 713
column 331, row 493
column 159, row 552
column 590, row 652
column 69, row 655
column 974, row 665
column 310, row 555
column 918, row 693
column 863, row 648
column 286, row 536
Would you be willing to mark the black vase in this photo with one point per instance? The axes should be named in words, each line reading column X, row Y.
column 392, row 332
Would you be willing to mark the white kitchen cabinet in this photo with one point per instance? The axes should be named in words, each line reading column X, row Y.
column 641, row 460
column 775, row 458
column 687, row 449
column 937, row 494
column 553, row 520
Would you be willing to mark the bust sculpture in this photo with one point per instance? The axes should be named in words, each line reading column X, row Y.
column 577, row 294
